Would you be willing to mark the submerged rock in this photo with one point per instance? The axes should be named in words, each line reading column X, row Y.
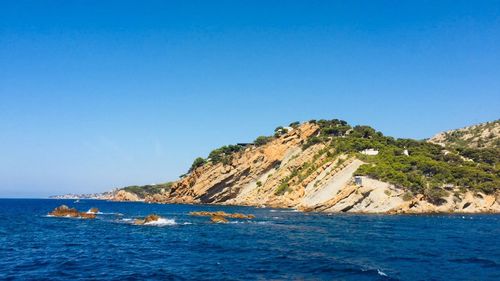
column 93, row 211
column 242, row 216
column 65, row 211
column 218, row 219
column 87, row 215
column 222, row 214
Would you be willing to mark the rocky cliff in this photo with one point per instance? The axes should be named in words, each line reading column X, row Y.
column 312, row 167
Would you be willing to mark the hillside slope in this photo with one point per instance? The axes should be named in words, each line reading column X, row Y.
column 312, row 167
column 484, row 135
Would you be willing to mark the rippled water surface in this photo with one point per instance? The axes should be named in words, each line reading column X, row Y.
column 277, row 245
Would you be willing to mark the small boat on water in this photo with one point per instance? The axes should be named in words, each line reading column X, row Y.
column 77, row 201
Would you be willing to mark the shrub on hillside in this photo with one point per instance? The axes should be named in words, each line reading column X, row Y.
column 198, row 162
column 262, row 140
column 224, row 154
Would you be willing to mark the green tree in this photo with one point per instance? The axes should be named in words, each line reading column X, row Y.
column 262, row 140
column 198, row 162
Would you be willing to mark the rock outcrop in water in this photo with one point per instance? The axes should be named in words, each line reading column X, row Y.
column 218, row 219
column 65, row 211
column 221, row 217
column 148, row 219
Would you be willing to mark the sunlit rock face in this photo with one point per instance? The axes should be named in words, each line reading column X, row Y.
column 287, row 174
column 65, row 211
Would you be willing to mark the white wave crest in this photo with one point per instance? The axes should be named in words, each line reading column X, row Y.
column 381, row 273
column 161, row 222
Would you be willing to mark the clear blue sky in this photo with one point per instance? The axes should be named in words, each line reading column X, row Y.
column 99, row 94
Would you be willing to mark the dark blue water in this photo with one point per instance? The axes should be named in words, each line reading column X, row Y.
column 277, row 245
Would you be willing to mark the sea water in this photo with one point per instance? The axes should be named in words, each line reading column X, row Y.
column 279, row 244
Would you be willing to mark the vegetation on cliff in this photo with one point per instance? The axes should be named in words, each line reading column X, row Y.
column 144, row 190
column 198, row 162
column 415, row 166
column 262, row 140
column 425, row 168
column 484, row 135
column 224, row 154
column 419, row 167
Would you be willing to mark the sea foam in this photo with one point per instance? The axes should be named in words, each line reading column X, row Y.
column 381, row 273
column 162, row 222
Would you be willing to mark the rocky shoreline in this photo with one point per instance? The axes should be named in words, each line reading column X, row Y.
column 329, row 166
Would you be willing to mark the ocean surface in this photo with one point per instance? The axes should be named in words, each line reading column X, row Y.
column 277, row 245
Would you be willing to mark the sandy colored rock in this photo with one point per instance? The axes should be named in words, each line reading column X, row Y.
column 65, row 211
column 151, row 218
column 283, row 173
column 218, row 219
column 123, row 195
column 139, row 221
column 222, row 214
column 147, row 219
column 87, row 215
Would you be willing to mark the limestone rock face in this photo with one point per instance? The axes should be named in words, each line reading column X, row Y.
column 219, row 183
column 284, row 173
column 123, row 195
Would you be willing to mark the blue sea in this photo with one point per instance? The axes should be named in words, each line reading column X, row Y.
column 279, row 244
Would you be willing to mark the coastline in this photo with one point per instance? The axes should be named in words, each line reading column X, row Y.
column 280, row 208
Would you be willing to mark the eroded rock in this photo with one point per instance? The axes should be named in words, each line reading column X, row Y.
column 218, row 219
column 148, row 219
column 65, row 211
column 222, row 214
column 87, row 215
